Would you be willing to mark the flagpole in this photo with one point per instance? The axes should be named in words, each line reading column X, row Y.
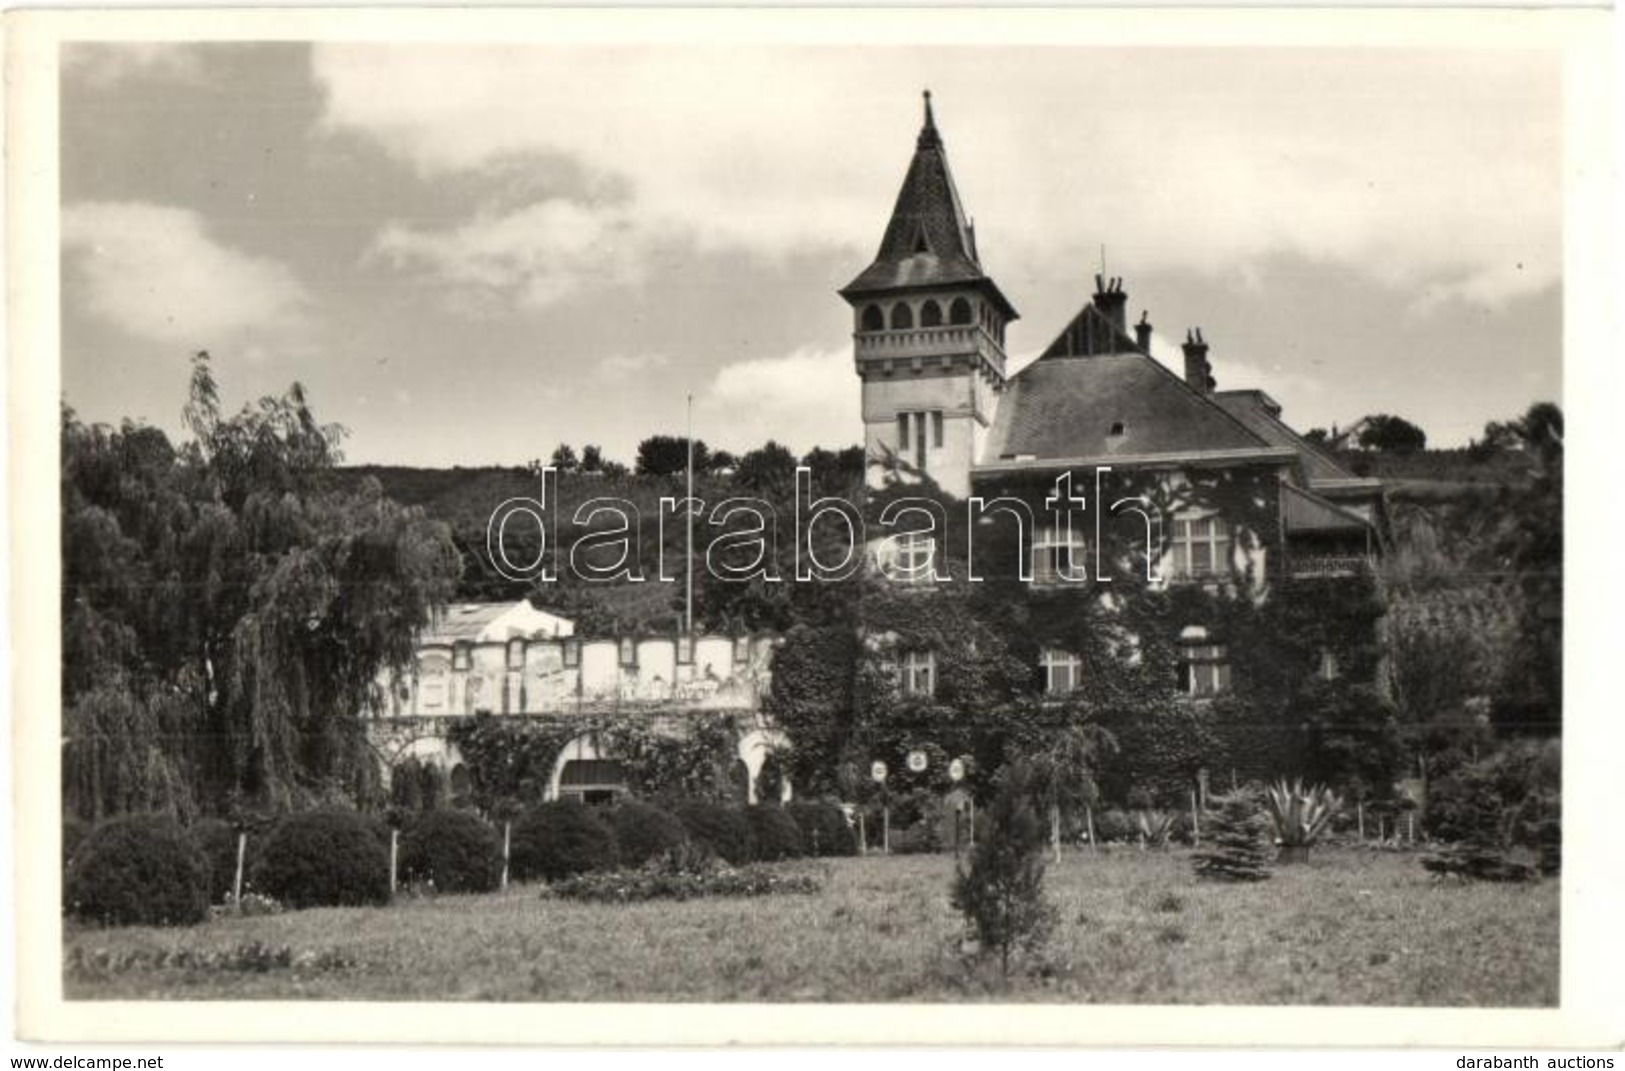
column 688, row 510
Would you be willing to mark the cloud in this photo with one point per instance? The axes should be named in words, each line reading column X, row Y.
column 156, row 273
column 102, row 64
column 1406, row 165
column 620, row 366
column 804, row 399
column 538, row 255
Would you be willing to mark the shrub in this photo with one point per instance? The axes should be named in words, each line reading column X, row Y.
column 74, row 833
column 1503, row 814
column 556, row 840
column 1236, row 845
column 138, row 870
column 1115, row 826
column 644, row 831
column 217, row 840
column 673, row 879
column 324, row 858
column 723, row 830
column 1154, row 828
column 774, row 833
column 824, row 829
column 1001, row 893
column 454, row 851
column 1299, row 816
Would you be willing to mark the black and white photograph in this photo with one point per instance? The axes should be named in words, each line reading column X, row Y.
column 1042, row 511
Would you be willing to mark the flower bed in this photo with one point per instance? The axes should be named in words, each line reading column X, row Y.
column 659, row 882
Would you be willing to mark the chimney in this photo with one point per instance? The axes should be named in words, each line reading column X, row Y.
column 1142, row 333
column 1110, row 299
column 1198, row 372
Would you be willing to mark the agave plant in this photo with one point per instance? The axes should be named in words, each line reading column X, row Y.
column 1300, row 815
column 1155, row 827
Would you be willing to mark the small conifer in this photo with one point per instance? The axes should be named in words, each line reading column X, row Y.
column 1001, row 893
column 1237, row 844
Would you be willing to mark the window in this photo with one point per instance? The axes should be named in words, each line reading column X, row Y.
column 873, row 318
column 572, row 654
column 931, row 314
column 1118, row 428
column 1062, row 671
column 742, row 651
column 1328, row 670
column 1058, row 554
column 459, row 655
column 516, row 654
column 685, row 649
column 629, row 651
column 920, row 673
column 959, row 312
column 916, row 557
column 1204, row 669
column 902, row 317
column 1201, row 547
column 917, row 433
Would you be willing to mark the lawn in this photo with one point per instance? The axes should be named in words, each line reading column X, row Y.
column 1350, row 927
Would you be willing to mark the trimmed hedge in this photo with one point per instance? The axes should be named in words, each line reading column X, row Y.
column 325, row 858
column 138, row 870
column 725, row 831
column 824, row 828
column 774, row 834
column 644, row 831
column 555, row 840
column 454, row 851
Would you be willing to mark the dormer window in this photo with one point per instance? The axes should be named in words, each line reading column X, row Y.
column 1118, row 429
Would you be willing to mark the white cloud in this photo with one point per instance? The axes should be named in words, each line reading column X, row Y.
column 534, row 257
column 155, row 272
column 804, row 399
column 1438, row 171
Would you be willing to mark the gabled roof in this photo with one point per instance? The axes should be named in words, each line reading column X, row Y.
column 1090, row 333
column 929, row 241
column 1069, row 407
column 1261, row 414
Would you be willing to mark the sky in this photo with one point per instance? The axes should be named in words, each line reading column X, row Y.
column 470, row 253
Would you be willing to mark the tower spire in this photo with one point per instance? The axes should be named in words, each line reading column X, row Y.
column 929, row 138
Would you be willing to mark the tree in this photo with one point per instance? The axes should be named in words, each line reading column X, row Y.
column 667, row 455
column 768, row 470
column 227, row 608
column 564, row 458
column 592, row 458
column 721, row 461
column 1001, row 893
column 1318, row 436
column 1390, row 434
column 835, row 472
column 1238, row 847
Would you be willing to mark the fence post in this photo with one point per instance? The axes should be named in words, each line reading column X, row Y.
column 1410, row 827
column 1359, row 818
column 1196, row 821
column 1055, row 829
column 394, row 854
column 507, row 833
column 1089, row 823
column 885, row 829
column 973, row 822
column 237, row 883
column 863, row 836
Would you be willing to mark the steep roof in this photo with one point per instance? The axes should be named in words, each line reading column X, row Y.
column 929, row 241
column 1070, row 407
column 1260, row 413
column 1306, row 512
column 1091, row 332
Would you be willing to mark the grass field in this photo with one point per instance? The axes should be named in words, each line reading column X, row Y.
column 1350, row 927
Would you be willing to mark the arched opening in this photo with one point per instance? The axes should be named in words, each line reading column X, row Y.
column 591, row 781
column 931, row 314
column 959, row 312
column 902, row 317
column 872, row 319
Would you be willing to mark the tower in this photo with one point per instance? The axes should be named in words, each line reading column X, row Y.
column 928, row 336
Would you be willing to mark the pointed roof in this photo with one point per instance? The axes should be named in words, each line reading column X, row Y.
column 1090, row 333
column 929, row 241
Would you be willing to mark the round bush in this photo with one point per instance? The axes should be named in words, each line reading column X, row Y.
column 644, row 832
column 722, row 830
column 454, row 850
column 217, row 840
column 138, row 870
column 1115, row 827
column 324, row 858
column 774, row 833
column 824, row 829
column 556, row 840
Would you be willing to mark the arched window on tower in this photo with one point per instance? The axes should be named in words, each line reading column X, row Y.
column 902, row 317
column 930, row 314
column 959, row 312
column 873, row 319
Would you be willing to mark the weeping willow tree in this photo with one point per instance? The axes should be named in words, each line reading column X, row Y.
column 227, row 606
